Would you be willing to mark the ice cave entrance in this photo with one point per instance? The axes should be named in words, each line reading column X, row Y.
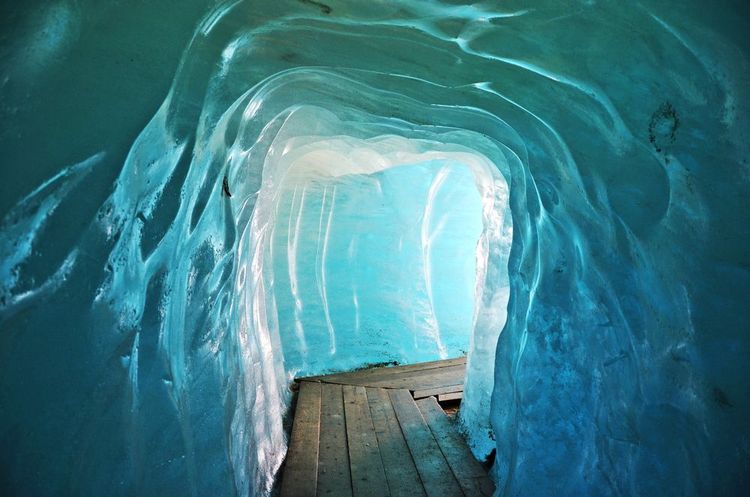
column 379, row 250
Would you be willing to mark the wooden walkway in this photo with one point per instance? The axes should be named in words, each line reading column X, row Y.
column 380, row 432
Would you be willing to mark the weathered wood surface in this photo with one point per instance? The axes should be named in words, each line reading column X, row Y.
column 470, row 474
column 421, row 380
column 403, row 480
column 301, row 471
column 443, row 389
column 334, row 477
column 444, row 397
column 368, row 475
column 436, row 475
column 369, row 437
column 384, row 373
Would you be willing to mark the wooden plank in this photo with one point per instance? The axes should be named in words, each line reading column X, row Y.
column 456, row 369
column 437, row 383
column 402, row 476
column 443, row 377
column 417, row 373
column 367, row 473
column 360, row 375
column 445, row 397
column 386, row 370
column 334, row 478
column 301, row 470
column 470, row 474
column 417, row 380
column 436, row 475
column 420, row 394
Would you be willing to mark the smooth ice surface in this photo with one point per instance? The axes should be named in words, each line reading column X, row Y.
column 378, row 250
column 378, row 266
column 141, row 347
column 374, row 249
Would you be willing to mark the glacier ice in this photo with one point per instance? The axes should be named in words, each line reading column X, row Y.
column 156, row 296
column 378, row 250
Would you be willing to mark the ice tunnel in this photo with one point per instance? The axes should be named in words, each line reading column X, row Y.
column 201, row 202
column 380, row 246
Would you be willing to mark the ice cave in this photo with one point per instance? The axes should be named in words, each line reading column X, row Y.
column 203, row 201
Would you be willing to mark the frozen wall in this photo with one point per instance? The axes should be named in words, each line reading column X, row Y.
column 138, row 344
column 385, row 249
column 375, row 248
column 374, row 267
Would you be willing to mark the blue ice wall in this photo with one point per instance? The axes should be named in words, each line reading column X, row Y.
column 376, row 268
column 139, row 352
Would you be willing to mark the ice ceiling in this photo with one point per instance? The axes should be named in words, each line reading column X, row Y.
column 155, row 302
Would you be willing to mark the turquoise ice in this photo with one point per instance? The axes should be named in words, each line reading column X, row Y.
column 201, row 200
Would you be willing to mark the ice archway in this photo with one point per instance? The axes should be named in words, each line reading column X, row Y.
column 135, row 303
column 385, row 249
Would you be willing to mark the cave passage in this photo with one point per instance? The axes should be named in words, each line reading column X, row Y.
column 376, row 268
column 379, row 253
column 200, row 204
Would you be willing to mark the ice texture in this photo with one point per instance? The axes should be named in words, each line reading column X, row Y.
column 377, row 266
column 375, row 254
column 156, row 297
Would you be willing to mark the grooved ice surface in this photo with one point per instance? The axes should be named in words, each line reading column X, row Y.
column 142, row 351
column 378, row 250
column 377, row 267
